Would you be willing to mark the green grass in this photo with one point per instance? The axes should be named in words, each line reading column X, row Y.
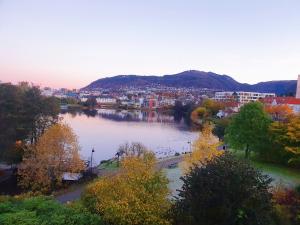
column 110, row 165
column 281, row 174
column 174, row 182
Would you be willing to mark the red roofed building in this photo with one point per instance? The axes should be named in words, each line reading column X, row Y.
column 293, row 103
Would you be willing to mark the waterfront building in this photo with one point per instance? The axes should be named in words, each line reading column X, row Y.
column 298, row 88
column 241, row 97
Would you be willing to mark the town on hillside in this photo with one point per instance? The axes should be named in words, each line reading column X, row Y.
column 162, row 98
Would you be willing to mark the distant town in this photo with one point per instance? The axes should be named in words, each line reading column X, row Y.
column 163, row 98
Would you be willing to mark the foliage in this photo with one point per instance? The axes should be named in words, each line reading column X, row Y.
column 287, row 204
column 133, row 149
column 220, row 127
column 249, row 128
column 206, row 111
column 91, row 102
column 279, row 112
column 225, row 191
column 135, row 196
column 183, row 111
column 43, row 210
column 205, row 148
column 285, row 137
column 56, row 152
column 69, row 101
column 24, row 116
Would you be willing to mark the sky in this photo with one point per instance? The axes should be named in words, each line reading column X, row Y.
column 70, row 43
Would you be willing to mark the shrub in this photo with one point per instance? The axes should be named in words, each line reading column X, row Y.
column 225, row 191
column 287, row 204
column 43, row 210
column 137, row 195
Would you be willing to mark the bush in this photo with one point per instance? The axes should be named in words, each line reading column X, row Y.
column 287, row 204
column 136, row 195
column 42, row 210
column 225, row 191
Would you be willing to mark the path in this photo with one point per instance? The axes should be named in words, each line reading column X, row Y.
column 75, row 194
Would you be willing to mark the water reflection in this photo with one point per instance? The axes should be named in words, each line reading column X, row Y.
column 106, row 129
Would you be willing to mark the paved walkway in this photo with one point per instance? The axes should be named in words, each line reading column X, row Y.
column 76, row 193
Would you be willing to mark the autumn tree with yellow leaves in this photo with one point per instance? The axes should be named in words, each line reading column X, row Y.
column 43, row 165
column 204, row 149
column 285, row 136
column 137, row 195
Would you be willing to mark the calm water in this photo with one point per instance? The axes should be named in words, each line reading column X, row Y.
column 105, row 130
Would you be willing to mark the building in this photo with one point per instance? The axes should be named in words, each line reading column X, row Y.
column 241, row 97
column 106, row 100
column 293, row 103
column 298, row 88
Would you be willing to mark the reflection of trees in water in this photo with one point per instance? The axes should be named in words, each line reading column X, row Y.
column 76, row 111
column 151, row 116
column 128, row 115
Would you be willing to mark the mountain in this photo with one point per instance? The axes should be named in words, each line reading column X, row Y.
column 195, row 79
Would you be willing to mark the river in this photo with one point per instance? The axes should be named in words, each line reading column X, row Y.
column 104, row 130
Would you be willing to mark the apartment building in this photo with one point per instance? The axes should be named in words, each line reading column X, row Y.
column 241, row 97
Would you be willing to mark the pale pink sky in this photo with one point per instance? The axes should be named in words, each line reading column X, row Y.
column 70, row 43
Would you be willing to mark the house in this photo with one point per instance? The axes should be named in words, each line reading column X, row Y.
column 292, row 102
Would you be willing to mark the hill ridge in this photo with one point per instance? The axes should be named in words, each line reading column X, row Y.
column 193, row 79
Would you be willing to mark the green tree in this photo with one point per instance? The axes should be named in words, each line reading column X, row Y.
column 225, row 191
column 248, row 129
column 220, row 127
column 24, row 115
column 43, row 210
column 91, row 102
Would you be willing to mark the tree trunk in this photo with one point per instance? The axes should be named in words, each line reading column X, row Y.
column 247, row 151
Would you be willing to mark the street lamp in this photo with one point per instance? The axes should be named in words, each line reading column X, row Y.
column 93, row 150
column 190, row 143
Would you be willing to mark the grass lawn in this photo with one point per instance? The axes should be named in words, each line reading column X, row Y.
column 109, row 165
column 174, row 182
column 281, row 174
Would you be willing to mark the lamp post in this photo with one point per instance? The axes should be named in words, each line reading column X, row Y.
column 93, row 150
column 190, row 143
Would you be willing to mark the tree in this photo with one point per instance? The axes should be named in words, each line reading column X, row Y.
column 91, row 102
column 220, row 127
column 206, row 112
column 43, row 210
column 24, row 115
column 249, row 128
column 279, row 112
column 286, row 136
column 56, row 152
column 205, row 148
column 133, row 149
column 137, row 195
column 225, row 191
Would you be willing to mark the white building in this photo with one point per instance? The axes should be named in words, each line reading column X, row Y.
column 241, row 96
column 298, row 88
column 106, row 100
column 83, row 99
column 47, row 92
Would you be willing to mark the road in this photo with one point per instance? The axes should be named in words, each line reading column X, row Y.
column 76, row 193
